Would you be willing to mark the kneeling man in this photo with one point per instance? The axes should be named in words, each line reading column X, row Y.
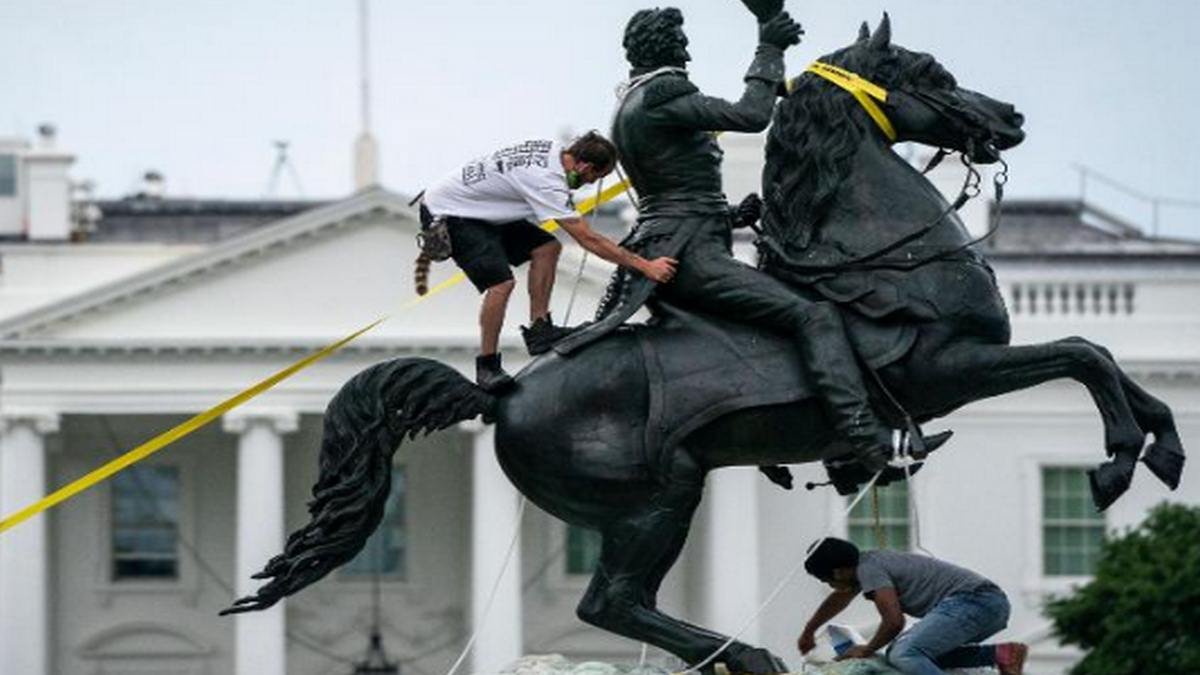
column 957, row 607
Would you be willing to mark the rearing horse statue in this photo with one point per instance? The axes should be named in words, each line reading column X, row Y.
column 620, row 436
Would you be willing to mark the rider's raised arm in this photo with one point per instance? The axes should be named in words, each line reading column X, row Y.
column 751, row 113
column 764, row 79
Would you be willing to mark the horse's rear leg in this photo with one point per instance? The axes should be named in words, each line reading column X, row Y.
column 974, row 371
column 636, row 554
column 1165, row 455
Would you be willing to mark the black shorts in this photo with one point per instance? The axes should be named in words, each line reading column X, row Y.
column 486, row 252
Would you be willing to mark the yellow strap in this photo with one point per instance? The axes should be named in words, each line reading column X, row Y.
column 166, row 438
column 170, row 436
column 863, row 90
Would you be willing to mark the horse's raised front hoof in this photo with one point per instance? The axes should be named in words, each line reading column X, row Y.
column 1165, row 461
column 752, row 661
column 1109, row 481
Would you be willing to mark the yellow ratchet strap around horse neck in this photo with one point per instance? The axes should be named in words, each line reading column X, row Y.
column 865, row 91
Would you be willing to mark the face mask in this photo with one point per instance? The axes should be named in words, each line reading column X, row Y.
column 574, row 180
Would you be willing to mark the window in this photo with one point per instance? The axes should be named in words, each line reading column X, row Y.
column 893, row 519
column 145, row 523
column 385, row 552
column 583, row 550
column 1072, row 530
column 8, row 175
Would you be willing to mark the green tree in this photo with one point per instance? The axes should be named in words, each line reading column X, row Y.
column 1140, row 615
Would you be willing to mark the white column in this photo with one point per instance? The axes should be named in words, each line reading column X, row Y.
column 24, row 559
column 260, row 646
column 731, row 549
column 493, row 515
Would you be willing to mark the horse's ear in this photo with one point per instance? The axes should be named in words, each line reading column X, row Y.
column 882, row 37
column 864, row 32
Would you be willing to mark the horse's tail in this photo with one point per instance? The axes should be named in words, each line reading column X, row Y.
column 364, row 425
column 421, row 273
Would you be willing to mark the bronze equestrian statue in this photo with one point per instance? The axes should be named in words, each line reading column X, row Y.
column 619, row 433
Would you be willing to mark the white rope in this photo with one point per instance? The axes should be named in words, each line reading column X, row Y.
column 575, row 289
column 582, row 260
column 487, row 607
column 787, row 578
column 913, row 506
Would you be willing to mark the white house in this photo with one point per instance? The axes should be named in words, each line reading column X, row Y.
column 105, row 344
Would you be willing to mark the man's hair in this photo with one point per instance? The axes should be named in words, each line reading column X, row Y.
column 829, row 554
column 594, row 149
column 651, row 38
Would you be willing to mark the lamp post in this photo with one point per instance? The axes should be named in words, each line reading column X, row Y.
column 376, row 662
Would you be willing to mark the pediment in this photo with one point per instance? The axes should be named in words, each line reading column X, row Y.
column 317, row 275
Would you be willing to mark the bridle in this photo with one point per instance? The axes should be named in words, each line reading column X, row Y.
column 869, row 95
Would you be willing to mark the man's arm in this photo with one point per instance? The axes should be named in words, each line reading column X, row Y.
column 751, row 113
column 659, row 270
column 891, row 623
column 831, row 607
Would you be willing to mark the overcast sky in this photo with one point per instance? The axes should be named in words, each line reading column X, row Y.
column 200, row 89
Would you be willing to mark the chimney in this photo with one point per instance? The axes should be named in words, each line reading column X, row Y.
column 49, row 196
column 154, row 186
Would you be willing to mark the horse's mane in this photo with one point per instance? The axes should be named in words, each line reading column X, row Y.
column 815, row 134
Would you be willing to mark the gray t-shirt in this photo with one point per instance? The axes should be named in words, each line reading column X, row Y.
column 920, row 581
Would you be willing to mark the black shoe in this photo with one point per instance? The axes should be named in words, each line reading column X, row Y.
column 847, row 475
column 541, row 335
column 490, row 376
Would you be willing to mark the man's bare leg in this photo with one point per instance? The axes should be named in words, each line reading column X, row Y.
column 491, row 315
column 543, row 262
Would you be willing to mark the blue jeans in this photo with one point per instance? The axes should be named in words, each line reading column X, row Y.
column 948, row 635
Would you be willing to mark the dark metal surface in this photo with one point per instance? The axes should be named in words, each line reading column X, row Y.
column 573, row 435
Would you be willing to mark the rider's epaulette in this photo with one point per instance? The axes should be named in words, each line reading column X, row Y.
column 667, row 88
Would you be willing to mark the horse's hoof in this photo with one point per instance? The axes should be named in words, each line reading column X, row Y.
column 1166, row 463
column 753, row 661
column 1109, row 481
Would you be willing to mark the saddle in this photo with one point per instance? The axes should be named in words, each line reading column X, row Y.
column 741, row 367
column 700, row 367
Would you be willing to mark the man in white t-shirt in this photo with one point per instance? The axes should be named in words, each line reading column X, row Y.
column 492, row 208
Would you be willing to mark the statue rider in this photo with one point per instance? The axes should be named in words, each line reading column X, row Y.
column 663, row 130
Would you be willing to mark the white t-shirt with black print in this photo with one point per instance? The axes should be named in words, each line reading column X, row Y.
column 520, row 182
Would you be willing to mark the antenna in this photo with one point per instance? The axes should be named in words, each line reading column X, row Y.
column 283, row 163
column 1155, row 202
column 364, row 74
column 366, row 153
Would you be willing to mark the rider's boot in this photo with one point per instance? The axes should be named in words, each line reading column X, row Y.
column 541, row 335
column 836, row 373
column 489, row 374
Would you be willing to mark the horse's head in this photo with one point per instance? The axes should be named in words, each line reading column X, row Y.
column 819, row 127
column 925, row 103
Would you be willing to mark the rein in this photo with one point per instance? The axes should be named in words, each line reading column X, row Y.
column 867, row 93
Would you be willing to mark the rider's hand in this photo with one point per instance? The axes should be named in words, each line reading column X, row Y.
column 780, row 31
column 660, row 270
column 806, row 642
column 747, row 213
